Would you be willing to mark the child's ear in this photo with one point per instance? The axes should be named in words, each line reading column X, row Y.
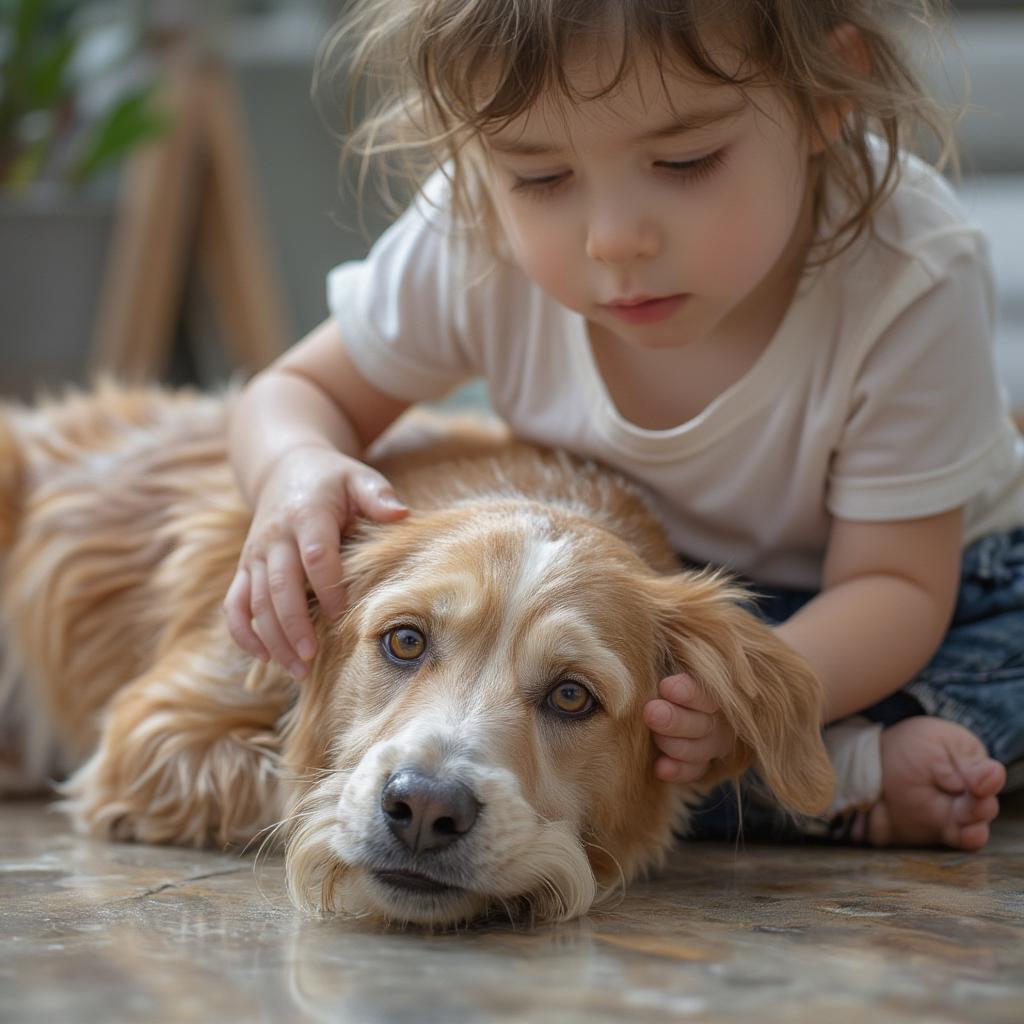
column 847, row 46
column 767, row 692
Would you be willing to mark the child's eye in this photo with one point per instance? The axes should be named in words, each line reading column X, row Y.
column 694, row 170
column 542, row 186
column 690, row 170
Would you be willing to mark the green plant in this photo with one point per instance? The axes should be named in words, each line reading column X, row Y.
column 45, row 133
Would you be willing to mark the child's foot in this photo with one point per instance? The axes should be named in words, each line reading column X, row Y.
column 938, row 788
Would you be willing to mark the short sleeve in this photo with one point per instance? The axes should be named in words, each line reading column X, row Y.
column 397, row 309
column 927, row 425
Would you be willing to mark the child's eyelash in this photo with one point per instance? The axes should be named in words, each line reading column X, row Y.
column 695, row 170
column 690, row 170
column 535, row 187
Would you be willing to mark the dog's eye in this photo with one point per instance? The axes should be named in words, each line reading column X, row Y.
column 405, row 643
column 570, row 698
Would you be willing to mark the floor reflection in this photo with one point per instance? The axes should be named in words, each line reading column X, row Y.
column 98, row 932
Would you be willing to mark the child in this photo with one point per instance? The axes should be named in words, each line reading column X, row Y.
column 686, row 240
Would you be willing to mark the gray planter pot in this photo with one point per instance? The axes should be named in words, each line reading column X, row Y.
column 53, row 248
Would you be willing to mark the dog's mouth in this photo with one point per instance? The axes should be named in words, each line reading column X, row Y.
column 414, row 882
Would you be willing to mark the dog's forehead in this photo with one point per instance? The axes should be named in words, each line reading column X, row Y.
column 523, row 556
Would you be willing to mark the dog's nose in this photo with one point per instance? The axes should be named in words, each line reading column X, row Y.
column 426, row 813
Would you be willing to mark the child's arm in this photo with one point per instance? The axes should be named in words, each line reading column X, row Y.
column 888, row 592
column 297, row 433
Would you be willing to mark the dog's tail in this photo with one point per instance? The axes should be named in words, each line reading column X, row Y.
column 12, row 481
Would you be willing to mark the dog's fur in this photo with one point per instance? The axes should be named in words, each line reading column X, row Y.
column 120, row 528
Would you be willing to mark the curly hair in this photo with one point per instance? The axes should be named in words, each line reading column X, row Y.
column 431, row 75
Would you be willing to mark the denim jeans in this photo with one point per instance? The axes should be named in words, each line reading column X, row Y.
column 975, row 678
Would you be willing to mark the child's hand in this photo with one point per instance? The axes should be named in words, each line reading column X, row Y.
column 688, row 729
column 306, row 504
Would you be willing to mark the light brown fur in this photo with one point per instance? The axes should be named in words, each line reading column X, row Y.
column 120, row 528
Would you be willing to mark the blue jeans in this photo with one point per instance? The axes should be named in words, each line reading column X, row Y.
column 975, row 678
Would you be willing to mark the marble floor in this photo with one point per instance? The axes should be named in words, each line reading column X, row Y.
column 91, row 932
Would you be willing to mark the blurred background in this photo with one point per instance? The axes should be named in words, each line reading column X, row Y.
column 173, row 218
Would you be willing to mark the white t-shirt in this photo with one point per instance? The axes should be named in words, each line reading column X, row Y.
column 877, row 398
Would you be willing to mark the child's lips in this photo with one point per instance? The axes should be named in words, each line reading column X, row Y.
column 644, row 310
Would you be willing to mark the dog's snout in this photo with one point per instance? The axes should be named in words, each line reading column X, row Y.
column 427, row 813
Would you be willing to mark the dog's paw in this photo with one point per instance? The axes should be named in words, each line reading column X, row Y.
column 219, row 792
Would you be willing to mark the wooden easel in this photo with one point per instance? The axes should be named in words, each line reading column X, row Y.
column 188, row 195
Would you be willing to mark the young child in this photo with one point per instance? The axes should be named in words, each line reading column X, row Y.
column 687, row 240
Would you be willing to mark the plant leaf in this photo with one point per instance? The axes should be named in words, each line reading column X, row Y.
column 27, row 16
column 132, row 121
column 46, row 82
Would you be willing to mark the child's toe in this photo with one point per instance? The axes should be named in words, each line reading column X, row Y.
column 968, row 837
column 985, row 778
column 969, row 810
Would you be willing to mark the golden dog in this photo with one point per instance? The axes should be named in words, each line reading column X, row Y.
column 469, row 738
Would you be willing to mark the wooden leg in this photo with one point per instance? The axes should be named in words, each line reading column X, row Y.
column 145, row 276
column 189, row 194
column 233, row 247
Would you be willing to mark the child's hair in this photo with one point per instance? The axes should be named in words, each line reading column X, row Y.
column 431, row 75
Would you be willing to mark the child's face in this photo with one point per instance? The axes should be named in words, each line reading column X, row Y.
column 601, row 208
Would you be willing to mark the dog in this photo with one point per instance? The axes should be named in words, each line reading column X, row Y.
column 468, row 741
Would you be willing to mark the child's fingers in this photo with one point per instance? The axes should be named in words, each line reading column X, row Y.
column 266, row 625
column 668, row 770
column 683, row 689
column 668, row 719
column 374, row 496
column 319, row 548
column 697, row 752
column 287, row 584
column 239, row 617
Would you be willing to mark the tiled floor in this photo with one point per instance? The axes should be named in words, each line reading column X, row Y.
column 99, row 933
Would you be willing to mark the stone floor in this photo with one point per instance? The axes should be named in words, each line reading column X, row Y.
column 91, row 932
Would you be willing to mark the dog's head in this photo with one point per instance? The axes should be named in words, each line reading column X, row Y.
column 471, row 733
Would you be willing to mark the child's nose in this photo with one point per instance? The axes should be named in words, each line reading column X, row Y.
column 619, row 235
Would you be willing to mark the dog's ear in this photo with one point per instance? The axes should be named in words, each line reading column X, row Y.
column 767, row 692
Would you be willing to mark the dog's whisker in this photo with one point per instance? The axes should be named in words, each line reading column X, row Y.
column 620, row 886
column 554, row 896
column 270, row 832
column 508, row 909
column 312, row 777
